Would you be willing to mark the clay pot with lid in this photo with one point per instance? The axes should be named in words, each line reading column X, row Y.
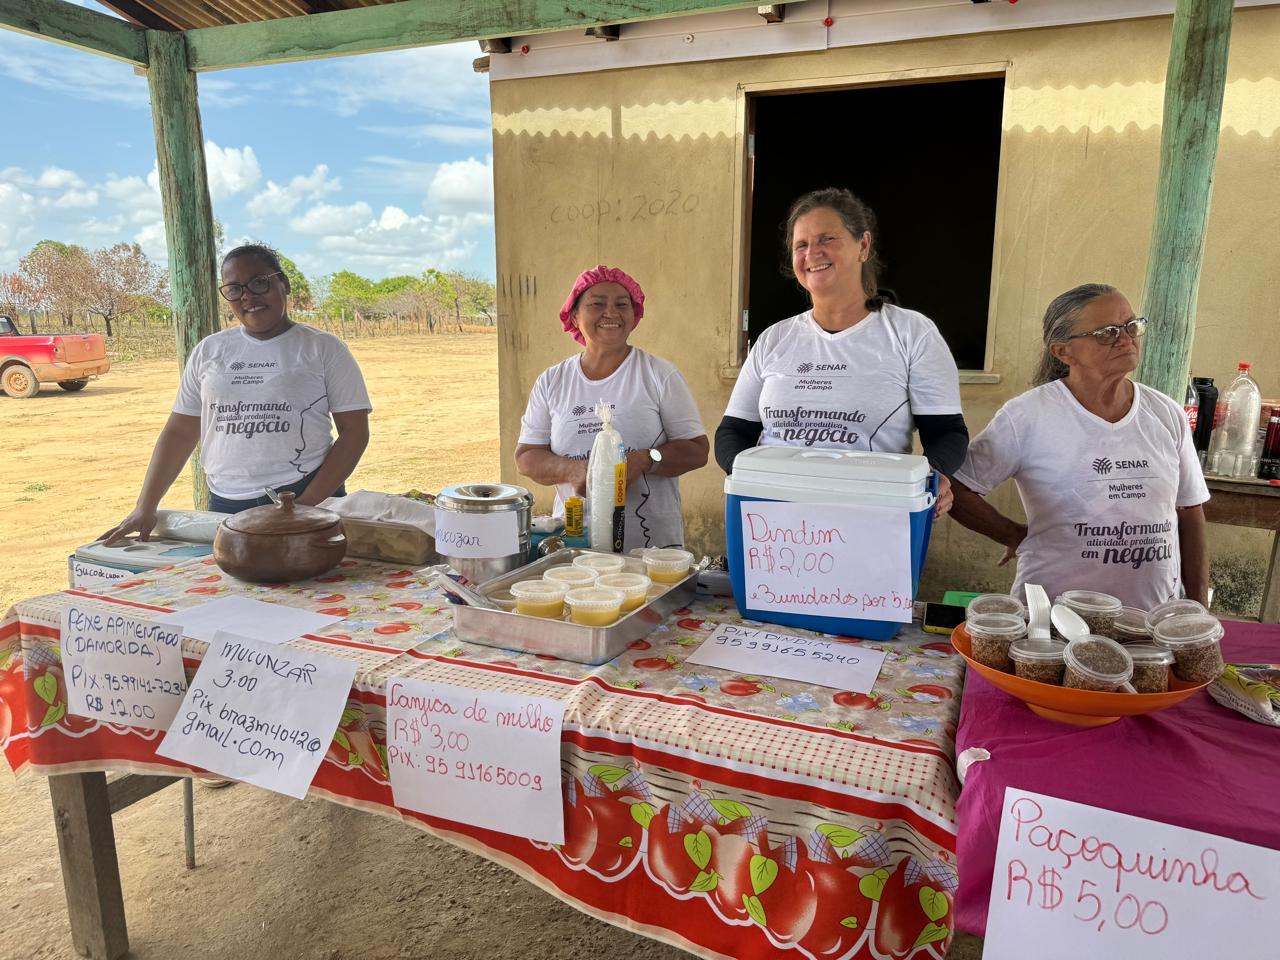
column 280, row 543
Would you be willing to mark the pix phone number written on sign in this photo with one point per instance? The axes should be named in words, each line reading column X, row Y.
column 638, row 208
column 432, row 736
column 790, row 648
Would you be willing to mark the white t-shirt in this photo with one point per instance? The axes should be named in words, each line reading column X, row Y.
column 651, row 406
column 857, row 389
column 265, row 405
column 1100, row 497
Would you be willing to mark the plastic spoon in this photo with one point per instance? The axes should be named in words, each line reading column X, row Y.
column 1068, row 623
column 1038, row 612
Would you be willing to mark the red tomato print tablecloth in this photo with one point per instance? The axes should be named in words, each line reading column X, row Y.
column 732, row 816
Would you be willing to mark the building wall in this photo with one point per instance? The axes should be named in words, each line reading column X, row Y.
column 636, row 167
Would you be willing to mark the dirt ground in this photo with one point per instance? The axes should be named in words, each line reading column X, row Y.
column 275, row 877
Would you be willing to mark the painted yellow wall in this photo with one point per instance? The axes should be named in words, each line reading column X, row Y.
column 636, row 168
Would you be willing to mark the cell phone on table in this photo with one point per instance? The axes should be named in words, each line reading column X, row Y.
column 942, row 617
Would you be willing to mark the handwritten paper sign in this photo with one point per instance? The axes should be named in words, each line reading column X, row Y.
column 476, row 536
column 85, row 574
column 1075, row 881
column 260, row 713
column 827, row 560
column 808, row 659
column 122, row 669
column 266, row 622
column 477, row 757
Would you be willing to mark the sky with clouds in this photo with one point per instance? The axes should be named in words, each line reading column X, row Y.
column 380, row 164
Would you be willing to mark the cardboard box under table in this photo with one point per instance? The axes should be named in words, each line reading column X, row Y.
column 899, row 483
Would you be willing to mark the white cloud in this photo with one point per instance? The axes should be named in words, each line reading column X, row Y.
column 413, row 176
column 325, row 218
column 18, row 214
column 74, row 73
column 393, row 218
column 435, row 80
column 110, row 228
column 463, row 186
column 231, row 170
column 56, row 178
column 450, row 133
column 77, row 199
column 279, row 200
column 397, row 243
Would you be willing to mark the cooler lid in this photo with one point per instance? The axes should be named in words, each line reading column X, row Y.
column 787, row 465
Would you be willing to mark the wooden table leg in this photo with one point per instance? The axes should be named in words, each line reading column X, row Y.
column 1270, row 612
column 90, row 872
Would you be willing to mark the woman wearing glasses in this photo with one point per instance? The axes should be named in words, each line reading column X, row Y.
column 261, row 399
column 1105, row 467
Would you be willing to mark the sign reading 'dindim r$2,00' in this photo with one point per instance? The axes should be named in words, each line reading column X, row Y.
column 827, row 560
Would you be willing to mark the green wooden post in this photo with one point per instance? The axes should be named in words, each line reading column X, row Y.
column 184, row 190
column 1188, row 150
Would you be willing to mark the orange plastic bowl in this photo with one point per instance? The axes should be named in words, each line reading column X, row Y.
column 1081, row 708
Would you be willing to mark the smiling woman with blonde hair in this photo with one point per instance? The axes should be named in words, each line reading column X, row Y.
column 1105, row 467
column 653, row 411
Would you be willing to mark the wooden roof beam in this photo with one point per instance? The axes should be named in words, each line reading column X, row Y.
column 418, row 23
column 77, row 27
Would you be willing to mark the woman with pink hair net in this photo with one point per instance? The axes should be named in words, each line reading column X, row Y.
column 653, row 410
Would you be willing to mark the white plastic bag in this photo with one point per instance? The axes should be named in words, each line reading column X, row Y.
column 607, row 451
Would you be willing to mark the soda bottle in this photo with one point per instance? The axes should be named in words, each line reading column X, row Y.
column 1205, row 417
column 1237, row 437
column 1191, row 406
column 1270, row 469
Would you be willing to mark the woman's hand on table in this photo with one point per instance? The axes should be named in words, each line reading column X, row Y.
column 141, row 521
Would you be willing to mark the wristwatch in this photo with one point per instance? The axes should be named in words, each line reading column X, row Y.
column 655, row 458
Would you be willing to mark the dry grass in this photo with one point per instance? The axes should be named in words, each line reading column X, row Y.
column 71, row 464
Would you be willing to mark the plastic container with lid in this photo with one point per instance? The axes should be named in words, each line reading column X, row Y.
column 601, row 563
column 540, row 598
column 1096, row 663
column 503, row 598
column 634, row 585
column 1150, row 667
column 1195, row 640
column 995, row 603
column 991, row 635
column 1038, row 660
column 1173, row 608
column 594, row 606
column 1098, row 610
column 571, row 576
column 1131, row 626
column 667, row 565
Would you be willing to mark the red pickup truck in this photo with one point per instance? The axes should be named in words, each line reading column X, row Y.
column 67, row 360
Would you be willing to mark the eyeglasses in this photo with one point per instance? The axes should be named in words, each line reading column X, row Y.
column 1109, row 336
column 259, row 285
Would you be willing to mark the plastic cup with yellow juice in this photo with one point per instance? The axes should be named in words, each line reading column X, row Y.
column 594, row 606
column 668, row 565
column 540, row 598
column 602, row 563
column 570, row 576
column 634, row 585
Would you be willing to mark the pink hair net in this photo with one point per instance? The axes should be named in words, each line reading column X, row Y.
column 588, row 279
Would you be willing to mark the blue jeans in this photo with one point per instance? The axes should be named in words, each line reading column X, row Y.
column 222, row 505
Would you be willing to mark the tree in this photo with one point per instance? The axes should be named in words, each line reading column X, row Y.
column 350, row 291
column 19, row 296
column 121, row 277
column 299, row 289
column 60, row 272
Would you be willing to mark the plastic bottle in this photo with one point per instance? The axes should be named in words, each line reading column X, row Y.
column 1191, row 406
column 1236, row 439
column 607, row 451
column 1270, row 468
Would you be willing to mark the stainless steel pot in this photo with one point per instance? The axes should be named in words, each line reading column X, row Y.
column 488, row 498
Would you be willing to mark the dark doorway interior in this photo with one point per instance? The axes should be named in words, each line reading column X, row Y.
column 925, row 156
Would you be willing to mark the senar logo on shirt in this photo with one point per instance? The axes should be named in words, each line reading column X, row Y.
column 1104, row 466
column 808, row 367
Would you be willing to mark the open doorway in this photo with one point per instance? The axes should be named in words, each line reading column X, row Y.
column 925, row 156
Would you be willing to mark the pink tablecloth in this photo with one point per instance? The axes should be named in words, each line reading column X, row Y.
column 1197, row 765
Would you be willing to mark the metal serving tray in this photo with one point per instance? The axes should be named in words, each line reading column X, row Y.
column 558, row 638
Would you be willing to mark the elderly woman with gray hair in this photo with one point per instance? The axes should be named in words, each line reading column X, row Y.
column 1105, row 467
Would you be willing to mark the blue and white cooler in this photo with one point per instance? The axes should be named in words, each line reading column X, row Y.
column 179, row 535
column 828, row 540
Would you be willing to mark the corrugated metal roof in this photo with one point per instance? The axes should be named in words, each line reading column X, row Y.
column 190, row 14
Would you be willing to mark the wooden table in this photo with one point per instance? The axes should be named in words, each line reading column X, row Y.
column 1251, row 503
